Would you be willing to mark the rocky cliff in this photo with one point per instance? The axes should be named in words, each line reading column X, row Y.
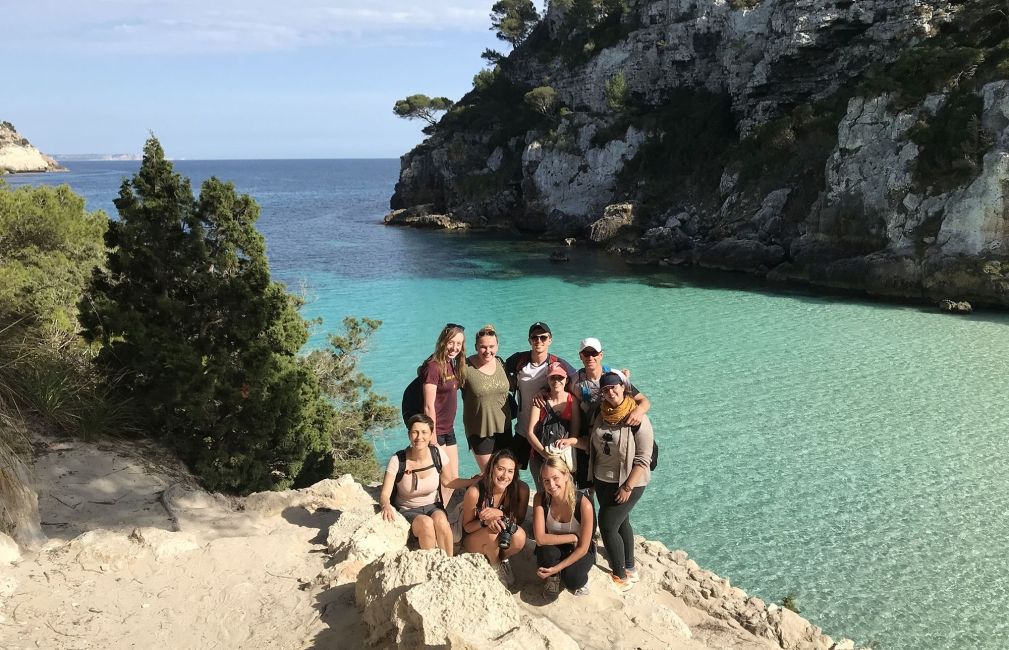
column 862, row 145
column 18, row 155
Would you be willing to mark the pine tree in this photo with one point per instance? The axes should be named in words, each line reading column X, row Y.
column 205, row 341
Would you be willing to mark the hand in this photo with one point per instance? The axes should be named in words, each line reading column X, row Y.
column 545, row 572
column 564, row 443
column 496, row 526
column 540, row 400
column 634, row 417
column 488, row 515
column 622, row 495
column 627, row 373
column 388, row 513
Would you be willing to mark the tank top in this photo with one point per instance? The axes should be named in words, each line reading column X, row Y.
column 555, row 527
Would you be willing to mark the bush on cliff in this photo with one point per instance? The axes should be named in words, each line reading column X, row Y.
column 207, row 344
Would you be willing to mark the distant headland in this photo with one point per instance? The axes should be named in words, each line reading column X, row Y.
column 17, row 155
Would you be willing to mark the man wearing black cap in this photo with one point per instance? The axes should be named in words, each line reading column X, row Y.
column 527, row 372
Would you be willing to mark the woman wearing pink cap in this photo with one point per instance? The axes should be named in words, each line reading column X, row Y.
column 552, row 425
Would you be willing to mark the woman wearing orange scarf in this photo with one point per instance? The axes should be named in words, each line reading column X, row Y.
column 619, row 460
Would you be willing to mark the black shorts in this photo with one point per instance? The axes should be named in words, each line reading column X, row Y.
column 490, row 444
column 412, row 513
column 446, row 439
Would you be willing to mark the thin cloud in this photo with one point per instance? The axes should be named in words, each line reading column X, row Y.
column 195, row 26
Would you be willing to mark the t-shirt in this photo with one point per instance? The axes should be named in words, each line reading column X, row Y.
column 446, row 397
column 530, row 379
column 606, row 466
column 484, row 402
column 425, row 491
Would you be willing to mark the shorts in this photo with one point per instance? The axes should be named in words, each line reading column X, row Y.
column 412, row 513
column 446, row 439
column 489, row 444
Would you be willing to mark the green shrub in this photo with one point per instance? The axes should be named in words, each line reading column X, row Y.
column 952, row 144
column 615, row 91
column 207, row 344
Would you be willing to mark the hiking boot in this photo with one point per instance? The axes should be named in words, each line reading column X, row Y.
column 633, row 575
column 583, row 591
column 552, row 587
column 621, row 584
column 505, row 574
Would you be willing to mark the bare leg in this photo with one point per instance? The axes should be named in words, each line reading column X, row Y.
column 484, row 542
column 453, row 458
column 442, row 531
column 423, row 529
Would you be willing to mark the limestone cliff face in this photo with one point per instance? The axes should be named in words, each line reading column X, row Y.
column 799, row 139
column 18, row 155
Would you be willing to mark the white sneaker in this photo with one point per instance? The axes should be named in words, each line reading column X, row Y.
column 552, row 587
column 505, row 573
column 583, row 591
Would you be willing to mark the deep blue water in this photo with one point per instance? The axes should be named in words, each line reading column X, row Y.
column 850, row 452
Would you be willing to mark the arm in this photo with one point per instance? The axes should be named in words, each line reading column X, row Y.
column 540, row 534
column 634, row 417
column 385, row 498
column 643, row 440
column 534, row 441
column 470, row 521
column 582, row 540
column 450, row 474
column 430, row 390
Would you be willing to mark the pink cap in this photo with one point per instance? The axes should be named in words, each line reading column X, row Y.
column 555, row 369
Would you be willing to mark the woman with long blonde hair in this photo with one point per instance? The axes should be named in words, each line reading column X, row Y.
column 443, row 373
column 563, row 524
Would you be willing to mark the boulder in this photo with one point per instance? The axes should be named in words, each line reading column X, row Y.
column 422, row 216
column 742, row 255
column 424, row 598
column 336, row 494
column 9, row 551
column 615, row 217
column 955, row 307
column 363, row 535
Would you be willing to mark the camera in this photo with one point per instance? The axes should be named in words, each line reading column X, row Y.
column 504, row 538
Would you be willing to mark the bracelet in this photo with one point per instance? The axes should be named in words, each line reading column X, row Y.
column 626, row 488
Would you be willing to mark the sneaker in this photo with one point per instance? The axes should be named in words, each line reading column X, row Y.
column 621, row 585
column 583, row 591
column 504, row 572
column 552, row 587
column 633, row 575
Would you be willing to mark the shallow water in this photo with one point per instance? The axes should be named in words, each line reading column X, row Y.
column 848, row 452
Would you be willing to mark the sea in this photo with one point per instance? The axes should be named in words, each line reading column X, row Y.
column 850, row 453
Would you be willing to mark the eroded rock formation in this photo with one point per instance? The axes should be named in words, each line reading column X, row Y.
column 18, row 155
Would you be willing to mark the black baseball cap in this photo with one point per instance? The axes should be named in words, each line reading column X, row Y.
column 539, row 325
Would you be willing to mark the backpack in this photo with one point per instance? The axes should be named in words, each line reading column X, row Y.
column 401, row 472
column 552, row 428
column 413, row 399
column 655, row 451
column 586, row 394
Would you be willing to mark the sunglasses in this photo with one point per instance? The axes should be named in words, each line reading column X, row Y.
column 558, row 378
column 486, row 332
column 610, row 388
column 607, row 439
column 539, row 337
column 449, row 326
column 589, row 352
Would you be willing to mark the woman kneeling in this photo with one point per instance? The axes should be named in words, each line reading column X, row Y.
column 493, row 511
column 563, row 523
column 412, row 486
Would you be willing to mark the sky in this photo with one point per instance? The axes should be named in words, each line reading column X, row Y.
column 234, row 78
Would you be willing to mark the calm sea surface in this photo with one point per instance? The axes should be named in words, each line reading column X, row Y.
column 851, row 453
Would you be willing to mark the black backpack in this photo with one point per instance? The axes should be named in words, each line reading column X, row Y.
column 401, row 472
column 413, row 399
column 655, row 451
column 552, row 428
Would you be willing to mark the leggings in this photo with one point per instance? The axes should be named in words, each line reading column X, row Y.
column 574, row 576
column 615, row 526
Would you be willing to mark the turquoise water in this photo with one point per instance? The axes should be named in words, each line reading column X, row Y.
column 851, row 453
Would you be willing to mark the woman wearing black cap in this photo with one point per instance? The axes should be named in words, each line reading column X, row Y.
column 527, row 372
column 619, row 458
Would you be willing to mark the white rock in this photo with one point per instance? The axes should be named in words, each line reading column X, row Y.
column 363, row 535
column 9, row 551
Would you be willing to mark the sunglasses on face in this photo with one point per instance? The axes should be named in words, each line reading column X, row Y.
column 539, row 337
column 609, row 388
column 607, row 439
column 558, row 378
column 589, row 353
column 449, row 326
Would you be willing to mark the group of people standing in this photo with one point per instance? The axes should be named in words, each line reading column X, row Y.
column 581, row 434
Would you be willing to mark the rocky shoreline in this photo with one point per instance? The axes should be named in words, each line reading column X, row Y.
column 779, row 139
column 136, row 550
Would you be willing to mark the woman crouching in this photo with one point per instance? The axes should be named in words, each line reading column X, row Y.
column 412, row 486
column 493, row 511
column 563, row 524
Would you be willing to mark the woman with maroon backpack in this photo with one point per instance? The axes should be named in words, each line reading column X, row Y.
column 554, row 425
